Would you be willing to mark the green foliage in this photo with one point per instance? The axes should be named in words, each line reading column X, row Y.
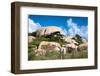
column 35, row 42
column 78, row 39
column 76, row 55
column 31, row 54
column 29, row 34
column 33, row 34
column 45, row 38
column 31, row 46
column 54, row 54
column 48, row 56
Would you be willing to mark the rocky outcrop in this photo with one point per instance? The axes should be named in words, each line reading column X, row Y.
column 70, row 48
column 69, row 39
column 47, row 30
column 83, row 46
column 31, row 38
column 46, row 46
column 51, row 38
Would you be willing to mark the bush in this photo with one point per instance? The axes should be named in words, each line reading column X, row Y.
column 78, row 39
column 31, row 54
column 35, row 42
column 76, row 55
column 54, row 54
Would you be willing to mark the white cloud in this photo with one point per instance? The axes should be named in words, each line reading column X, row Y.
column 64, row 31
column 72, row 31
column 33, row 26
column 75, row 29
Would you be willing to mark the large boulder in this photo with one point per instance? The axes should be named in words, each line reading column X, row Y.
column 83, row 46
column 69, row 40
column 46, row 46
column 48, row 30
column 71, row 47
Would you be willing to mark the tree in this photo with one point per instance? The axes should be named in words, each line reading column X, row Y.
column 33, row 34
column 78, row 39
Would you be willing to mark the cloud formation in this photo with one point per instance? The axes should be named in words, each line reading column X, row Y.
column 76, row 29
column 33, row 26
column 63, row 31
column 73, row 28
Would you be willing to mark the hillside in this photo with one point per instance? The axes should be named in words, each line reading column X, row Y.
column 50, row 43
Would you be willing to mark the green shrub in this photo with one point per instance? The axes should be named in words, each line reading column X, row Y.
column 80, row 54
column 54, row 54
column 57, row 55
column 31, row 54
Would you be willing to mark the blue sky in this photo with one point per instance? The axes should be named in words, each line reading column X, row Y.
column 69, row 24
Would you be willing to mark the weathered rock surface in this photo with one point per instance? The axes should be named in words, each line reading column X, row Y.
column 31, row 38
column 69, row 39
column 70, row 48
column 70, row 43
column 48, row 30
column 83, row 46
column 46, row 46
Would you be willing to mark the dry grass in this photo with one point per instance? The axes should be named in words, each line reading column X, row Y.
column 56, row 55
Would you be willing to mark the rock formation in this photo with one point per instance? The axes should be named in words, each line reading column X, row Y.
column 46, row 46
column 47, row 30
column 83, row 46
column 53, row 36
column 30, row 38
